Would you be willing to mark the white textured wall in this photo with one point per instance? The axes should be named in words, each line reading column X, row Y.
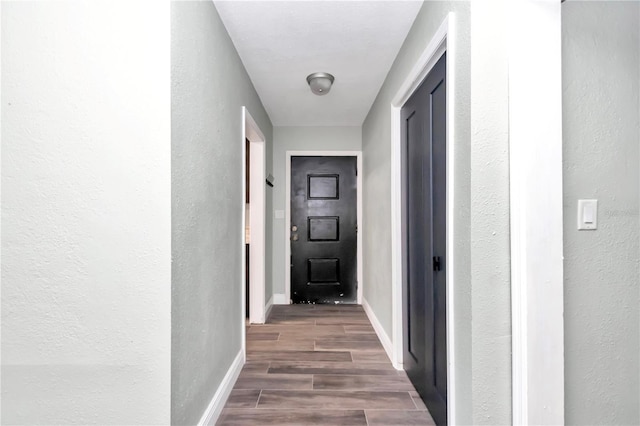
column 300, row 139
column 490, row 216
column 601, row 120
column 86, row 212
column 208, row 89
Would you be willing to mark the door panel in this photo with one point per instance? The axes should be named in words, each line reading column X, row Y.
column 323, row 229
column 416, row 249
column 439, row 208
column 424, row 201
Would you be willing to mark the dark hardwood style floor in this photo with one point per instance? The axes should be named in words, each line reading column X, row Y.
column 320, row 365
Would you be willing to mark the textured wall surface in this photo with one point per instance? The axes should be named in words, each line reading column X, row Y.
column 86, row 212
column 208, row 89
column 300, row 139
column 490, row 238
column 601, row 67
column 376, row 146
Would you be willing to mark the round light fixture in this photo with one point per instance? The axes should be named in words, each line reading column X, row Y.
column 320, row 82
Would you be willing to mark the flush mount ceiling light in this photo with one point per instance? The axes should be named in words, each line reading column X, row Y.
column 320, row 82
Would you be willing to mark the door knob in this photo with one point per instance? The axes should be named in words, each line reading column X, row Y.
column 294, row 237
column 294, row 228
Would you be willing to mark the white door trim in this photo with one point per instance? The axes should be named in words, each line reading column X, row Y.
column 287, row 215
column 439, row 44
column 257, row 219
column 536, row 198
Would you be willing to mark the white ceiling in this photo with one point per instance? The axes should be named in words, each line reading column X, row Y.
column 281, row 42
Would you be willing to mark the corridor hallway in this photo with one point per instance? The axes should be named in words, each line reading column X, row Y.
column 320, row 365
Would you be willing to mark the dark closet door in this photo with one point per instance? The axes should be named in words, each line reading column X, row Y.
column 424, row 202
column 323, row 229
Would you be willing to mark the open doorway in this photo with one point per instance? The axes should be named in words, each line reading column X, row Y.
column 253, row 232
column 247, row 225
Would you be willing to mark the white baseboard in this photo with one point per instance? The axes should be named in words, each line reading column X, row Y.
column 213, row 411
column 280, row 299
column 267, row 309
column 382, row 335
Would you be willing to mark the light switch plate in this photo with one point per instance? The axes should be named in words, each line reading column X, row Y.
column 279, row 214
column 587, row 215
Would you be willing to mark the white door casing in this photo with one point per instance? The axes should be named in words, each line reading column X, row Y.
column 257, row 221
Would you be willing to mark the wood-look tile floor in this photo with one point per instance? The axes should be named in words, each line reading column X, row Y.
column 320, row 365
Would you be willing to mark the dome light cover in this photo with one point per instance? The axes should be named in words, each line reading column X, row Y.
column 320, row 82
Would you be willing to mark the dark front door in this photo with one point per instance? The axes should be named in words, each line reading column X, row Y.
column 424, row 202
column 323, row 229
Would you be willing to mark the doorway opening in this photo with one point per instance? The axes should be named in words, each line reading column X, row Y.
column 247, row 224
column 254, row 223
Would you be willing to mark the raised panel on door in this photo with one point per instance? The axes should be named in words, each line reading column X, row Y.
column 323, row 229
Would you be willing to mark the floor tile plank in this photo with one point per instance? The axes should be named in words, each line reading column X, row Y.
column 280, row 345
column 300, row 356
column 348, row 345
column 336, row 320
column 274, row 381
column 335, row 399
column 241, row 417
column 300, row 329
column 255, row 367
column 398, row 418
column 370, row 356
column 262, row 336
column 354, row 338
column 361, row 382
column 241, row 398
column 293, row 321
column 334, row 368
column 359, row 329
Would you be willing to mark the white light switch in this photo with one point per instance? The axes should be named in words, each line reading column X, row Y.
column 587, row 214
column 279, row 214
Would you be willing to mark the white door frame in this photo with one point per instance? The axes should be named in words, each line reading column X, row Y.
column 257, row 219
column 536, row 210
column 439, row 44
column 287, row 215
